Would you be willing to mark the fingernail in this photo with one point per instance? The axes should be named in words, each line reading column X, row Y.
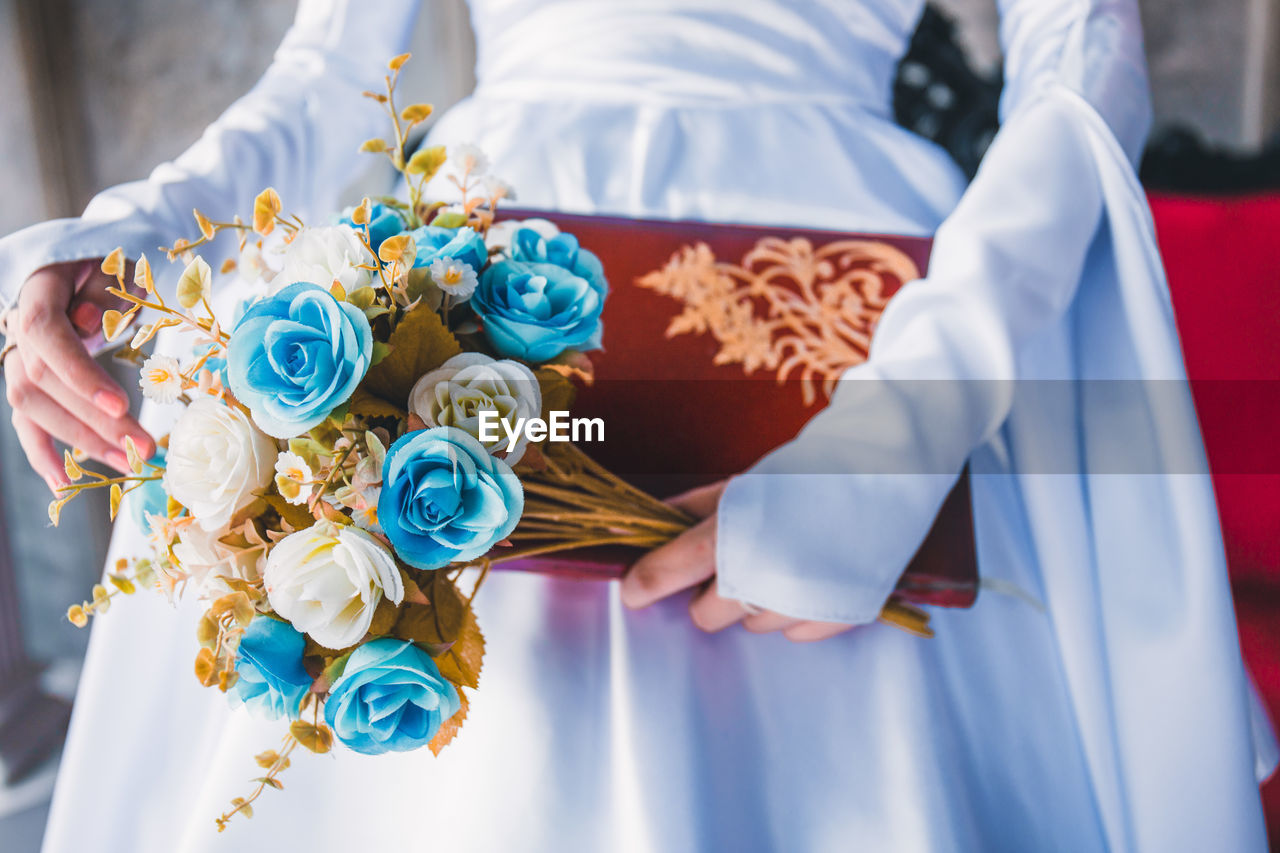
column 117, row 460
column 113, row 404
column 87, row 317
column 54, row 484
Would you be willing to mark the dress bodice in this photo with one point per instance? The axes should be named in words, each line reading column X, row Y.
column 699, row 50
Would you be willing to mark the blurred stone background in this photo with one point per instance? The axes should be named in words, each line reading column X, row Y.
column 95, row 93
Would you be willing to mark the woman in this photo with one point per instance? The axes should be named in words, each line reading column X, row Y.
column 1114, row 716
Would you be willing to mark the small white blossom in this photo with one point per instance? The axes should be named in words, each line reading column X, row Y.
column 293, row 478
column 453, row 277
column 468, row 159
column 495, row 187
column 252, row 265
column 161, row 379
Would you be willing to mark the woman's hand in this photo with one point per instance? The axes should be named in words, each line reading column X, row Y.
column 56, row 389
column 689, row 560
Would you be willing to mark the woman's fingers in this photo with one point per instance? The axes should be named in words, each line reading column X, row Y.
column 766, row 622
column 810, row 632
column 700, row 502
column 112, row 431
column 712, row 613
column 43, row 327
column 685, row 561
column 41, row 453
column 44, row 412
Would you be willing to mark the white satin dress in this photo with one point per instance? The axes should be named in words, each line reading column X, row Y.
column 1115, row 716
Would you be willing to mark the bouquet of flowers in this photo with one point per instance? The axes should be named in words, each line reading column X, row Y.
column 356, row 442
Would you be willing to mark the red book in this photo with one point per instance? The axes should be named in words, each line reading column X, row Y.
column 677, row 416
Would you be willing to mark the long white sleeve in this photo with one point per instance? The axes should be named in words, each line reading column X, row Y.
column 823, row 526
column 298, row 130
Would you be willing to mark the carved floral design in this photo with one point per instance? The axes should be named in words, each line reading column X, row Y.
column 788, row 307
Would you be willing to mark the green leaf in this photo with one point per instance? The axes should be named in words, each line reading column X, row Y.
column 339, row 414
column 558, row 392
column 296, row 517
column 450, row 220
column 309, row 449
column 334, row 671
column 362, row 297
column 426, row 161
column 420, row 343
column 380, row 351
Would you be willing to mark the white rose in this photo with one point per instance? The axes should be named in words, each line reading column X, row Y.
column 327, row 580
column 500, row 233
column 202, row 556
column 456, row 392
column 322, row 256
column 217, row 461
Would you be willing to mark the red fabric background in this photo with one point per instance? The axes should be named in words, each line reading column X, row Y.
column 1223, row 262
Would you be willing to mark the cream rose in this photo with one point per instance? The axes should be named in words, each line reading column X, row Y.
column 206, row 559
column 321, row 256
column 456, row 392
column 327, row 580
column 217, row 461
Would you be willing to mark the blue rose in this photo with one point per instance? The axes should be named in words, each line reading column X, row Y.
column 272, row 681
column 295, row 357
column 445, row 499
column 384, row 222
column 563, row 251
column 461, row 244
column 390, row 698
column 535, row 311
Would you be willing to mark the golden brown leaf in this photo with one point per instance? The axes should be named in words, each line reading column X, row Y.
column 449, row 728
column 69, row 464
column 415, row 113
column 397, row 248
column 426, row 161
column 318, row 739
column 114, row 322
column 194, row 284
column 203, row 223
column 462, row 662
column 206, row 667
column 296, row 517
column 113, row 264
column 265, row 208
column 366, row 405
column 384, row 618
column 142, row 275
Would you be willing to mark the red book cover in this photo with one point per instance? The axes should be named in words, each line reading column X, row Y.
column 678, row 416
